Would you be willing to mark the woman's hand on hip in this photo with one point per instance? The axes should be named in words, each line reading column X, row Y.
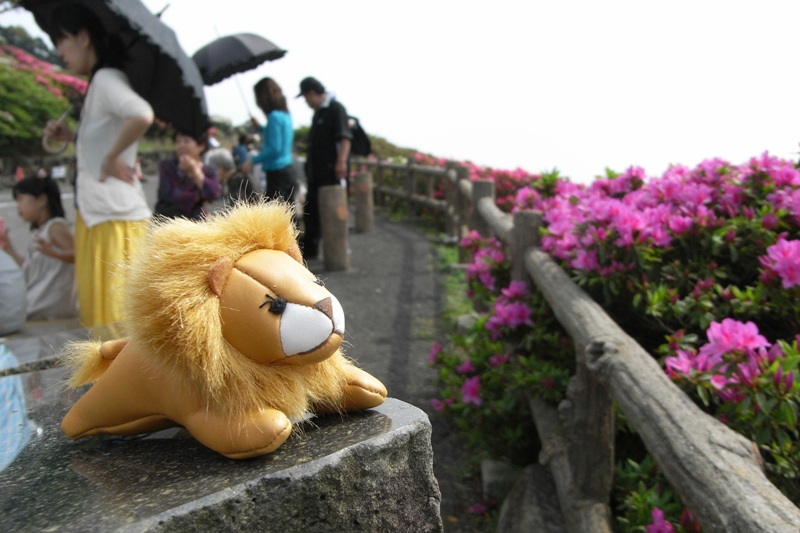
column 117, row 168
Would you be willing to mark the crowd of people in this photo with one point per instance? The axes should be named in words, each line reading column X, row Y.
column 75, row 271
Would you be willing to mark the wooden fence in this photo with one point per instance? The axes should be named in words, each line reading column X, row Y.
column 717, row 472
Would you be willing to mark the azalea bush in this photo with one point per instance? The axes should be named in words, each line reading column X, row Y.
column 646, row 502
column 32, row 92
column 486, row 371
column 749, row 384
column 702, row 266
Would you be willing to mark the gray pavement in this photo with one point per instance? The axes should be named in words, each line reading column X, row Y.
column 392, row 298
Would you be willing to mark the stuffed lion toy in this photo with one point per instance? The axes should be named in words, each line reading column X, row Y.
column 231, row 337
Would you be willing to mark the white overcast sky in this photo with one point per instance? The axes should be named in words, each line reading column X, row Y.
column 577, row 85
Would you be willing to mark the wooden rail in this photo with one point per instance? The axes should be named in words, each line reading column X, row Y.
column 716, row 471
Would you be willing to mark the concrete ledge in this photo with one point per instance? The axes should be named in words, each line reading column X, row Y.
column 369, row 471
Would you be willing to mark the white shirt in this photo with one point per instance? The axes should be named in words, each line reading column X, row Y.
column 50, row 282
column 110, row 100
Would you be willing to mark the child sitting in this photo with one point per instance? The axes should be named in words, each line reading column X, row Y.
column 48, row 265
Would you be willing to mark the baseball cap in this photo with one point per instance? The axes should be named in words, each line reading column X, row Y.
column 310, row 84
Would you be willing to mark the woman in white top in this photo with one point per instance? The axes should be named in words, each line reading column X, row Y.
column 47, row 266
column 112, row 215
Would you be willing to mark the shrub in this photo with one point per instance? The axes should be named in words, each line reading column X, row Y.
column 702, row 267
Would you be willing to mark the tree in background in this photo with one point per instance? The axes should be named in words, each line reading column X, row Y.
column 35, row 46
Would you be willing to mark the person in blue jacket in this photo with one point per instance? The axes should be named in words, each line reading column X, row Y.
column 278, row 136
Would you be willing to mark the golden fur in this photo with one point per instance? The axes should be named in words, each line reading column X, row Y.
column 172, row 311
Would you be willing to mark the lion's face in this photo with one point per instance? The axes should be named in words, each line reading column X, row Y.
column 273, row 309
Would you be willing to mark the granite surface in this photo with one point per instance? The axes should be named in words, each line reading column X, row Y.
column 365, row 471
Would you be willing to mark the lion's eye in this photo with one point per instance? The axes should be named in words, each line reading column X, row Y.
column 276, row 305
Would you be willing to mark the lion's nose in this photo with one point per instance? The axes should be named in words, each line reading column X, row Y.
column 326, row 307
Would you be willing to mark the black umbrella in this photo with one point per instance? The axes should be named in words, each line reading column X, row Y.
column 233, row 54
column 158, row 69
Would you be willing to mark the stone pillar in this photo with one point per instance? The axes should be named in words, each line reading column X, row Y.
column 365, row 208
column 333, row 219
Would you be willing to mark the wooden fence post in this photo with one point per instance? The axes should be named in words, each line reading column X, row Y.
column 451, row 199
column 525, row 235
column 462, row 173
column 333, row 218
column 480, row 189
column 378, row 183
column 365, row 208
column 409, row 189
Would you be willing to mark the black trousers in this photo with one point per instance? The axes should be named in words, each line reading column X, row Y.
column 311, row 222
column 281, row 183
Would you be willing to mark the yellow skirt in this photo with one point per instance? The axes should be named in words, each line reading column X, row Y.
column 99, row 253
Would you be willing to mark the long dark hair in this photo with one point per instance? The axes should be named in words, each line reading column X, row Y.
column 72, row 18
column 275, row 100
column 36, row 186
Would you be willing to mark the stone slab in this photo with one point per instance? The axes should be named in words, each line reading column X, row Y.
column 368, row 471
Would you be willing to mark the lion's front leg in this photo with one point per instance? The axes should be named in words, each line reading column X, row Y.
column 360, row 391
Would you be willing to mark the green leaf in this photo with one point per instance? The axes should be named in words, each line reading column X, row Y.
column 703, row 393
column 764, row 436
column 784, row 441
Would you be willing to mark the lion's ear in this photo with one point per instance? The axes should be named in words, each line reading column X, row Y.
column 294, row 253
column 218, row 274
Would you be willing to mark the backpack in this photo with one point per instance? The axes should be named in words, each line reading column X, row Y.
column 360, row 144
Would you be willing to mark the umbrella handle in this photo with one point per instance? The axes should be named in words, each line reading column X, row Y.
column 56, row 148
column 241, row 92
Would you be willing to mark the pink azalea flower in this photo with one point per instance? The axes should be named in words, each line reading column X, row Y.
column 731, row 336
column 434, row 353
column 785, row 261
column 720, row 382
column 466, row 367
column 516, row 290
column 499, row 359
column 748, row 373
column 585, row 260
column 470, row 391
column 769, row 221
column 437, row 405
column 511, row 315
column 659, row 525
column 682, row 364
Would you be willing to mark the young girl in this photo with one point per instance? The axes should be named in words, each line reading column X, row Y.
column 48, row 265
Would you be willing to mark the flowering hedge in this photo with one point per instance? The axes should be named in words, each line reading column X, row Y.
column 701, row 266
column 507, row 182
column 31, row 93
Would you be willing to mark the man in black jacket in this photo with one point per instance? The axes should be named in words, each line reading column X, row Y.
column 328, row 149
